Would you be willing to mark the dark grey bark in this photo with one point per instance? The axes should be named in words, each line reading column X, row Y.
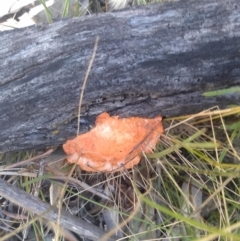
column 152, row 60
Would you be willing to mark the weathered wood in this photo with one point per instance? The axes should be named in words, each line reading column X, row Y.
column 44, row 210
column 152, row 60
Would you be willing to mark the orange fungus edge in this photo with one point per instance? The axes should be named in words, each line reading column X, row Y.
column 114, row 143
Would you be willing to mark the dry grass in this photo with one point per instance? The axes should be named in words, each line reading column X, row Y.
column 187, row 189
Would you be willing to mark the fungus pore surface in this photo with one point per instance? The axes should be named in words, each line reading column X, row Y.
column 114, row 143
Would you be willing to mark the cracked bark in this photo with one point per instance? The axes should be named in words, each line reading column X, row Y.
column 152, row 60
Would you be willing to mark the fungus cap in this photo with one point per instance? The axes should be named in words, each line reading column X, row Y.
column 114, row 144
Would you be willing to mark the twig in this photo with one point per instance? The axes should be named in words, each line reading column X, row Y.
column 36, row 206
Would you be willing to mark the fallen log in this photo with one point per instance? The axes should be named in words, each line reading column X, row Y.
column 152, row 60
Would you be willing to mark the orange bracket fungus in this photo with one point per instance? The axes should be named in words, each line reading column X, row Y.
column 114, row 143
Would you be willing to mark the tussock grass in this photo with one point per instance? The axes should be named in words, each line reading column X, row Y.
column 187, row 189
